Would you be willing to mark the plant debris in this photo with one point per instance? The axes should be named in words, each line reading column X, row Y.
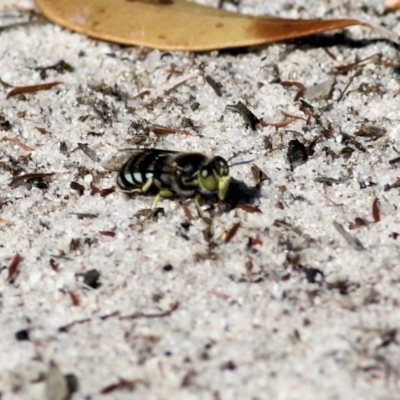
column 215, row 85
column 61, row 67
column 121, row 384
column 78, row 187
column 91, row 279
column 165, row 24
column 241, row 109
column 23, row 178
column 159, row 315
column 259, row 176
column 248, row 208
column 101, row 192
column 375, row 210
column 312, row 274
column 12, row 268
column 31, row 89
column 232, row 232
column 89, row 152
column 296, row 153
column 18, row 143
column 351, row 240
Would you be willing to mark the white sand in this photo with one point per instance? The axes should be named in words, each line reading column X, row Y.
column 248, row 324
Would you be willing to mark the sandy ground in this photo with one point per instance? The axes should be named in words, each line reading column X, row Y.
column 302, row 302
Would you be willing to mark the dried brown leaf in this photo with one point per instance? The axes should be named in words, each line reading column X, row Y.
column 178, row 24
column 392, row 4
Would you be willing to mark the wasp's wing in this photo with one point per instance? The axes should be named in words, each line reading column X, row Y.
column 117, row 161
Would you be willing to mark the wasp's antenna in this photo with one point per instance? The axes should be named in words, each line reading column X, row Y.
column 231, row 158
column 240, row 163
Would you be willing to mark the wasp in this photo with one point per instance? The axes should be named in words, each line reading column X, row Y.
column 170, row 174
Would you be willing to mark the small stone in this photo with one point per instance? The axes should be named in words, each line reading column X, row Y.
column 320, row 91
column 91, row 278
column 21, row 335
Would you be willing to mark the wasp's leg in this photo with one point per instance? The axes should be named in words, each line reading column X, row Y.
column 200, row 210
column 129, row 191
column 141, row 189
column 153, row 209
column 147, row 185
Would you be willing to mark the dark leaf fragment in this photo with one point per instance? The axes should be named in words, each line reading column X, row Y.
column 78, row 187
column 297, row 153
column 259, row 176
column 240, row 108
column 85, row 215
column 61, row 67
column 312, row 274
column 394, row 161
column 215, row 85
column 88, row 151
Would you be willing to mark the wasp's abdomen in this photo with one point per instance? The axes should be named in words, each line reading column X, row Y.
column 128, row 180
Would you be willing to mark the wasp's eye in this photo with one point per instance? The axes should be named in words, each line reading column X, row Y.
column 221, row 166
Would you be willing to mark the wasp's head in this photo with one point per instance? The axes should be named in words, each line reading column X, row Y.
column 214, row 177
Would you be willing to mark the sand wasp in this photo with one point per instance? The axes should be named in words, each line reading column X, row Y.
column 170, row 174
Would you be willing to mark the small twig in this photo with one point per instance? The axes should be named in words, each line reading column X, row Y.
column 301, row 88
column 168, row 91
column 144, row 315
column 344, row 69
column 186, row 210
column 121, row 384
column 30, row 89
column 351, row 240
column 278, row 125
column 22, row 178
column 287, row 115
column 164, row 130
column 18, row 143
column 348, row 85
column 330, row 54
